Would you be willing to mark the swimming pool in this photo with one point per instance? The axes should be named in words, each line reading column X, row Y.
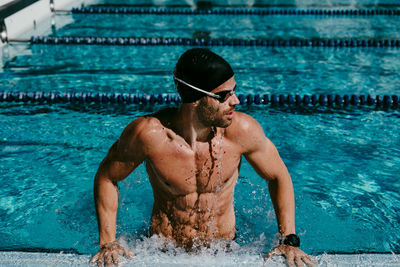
column 344, row 162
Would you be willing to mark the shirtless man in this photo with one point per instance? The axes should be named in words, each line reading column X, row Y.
column 193, row 155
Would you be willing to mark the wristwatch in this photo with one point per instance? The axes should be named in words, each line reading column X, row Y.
column 291, row 240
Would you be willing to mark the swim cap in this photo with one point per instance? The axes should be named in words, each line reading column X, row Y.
column 203, row 69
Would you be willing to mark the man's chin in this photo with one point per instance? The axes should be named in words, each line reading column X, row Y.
column 225, row 123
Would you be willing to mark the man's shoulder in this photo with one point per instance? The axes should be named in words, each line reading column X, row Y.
column 243, row 123
column 143, row 124
column 148, row 126
column 245, row 131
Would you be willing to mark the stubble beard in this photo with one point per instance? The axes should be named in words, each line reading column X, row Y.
column 211, row 116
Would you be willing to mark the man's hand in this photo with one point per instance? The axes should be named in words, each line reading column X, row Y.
column 293, row 256
column 109, row 253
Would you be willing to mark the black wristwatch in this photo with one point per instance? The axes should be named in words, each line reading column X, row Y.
column 291, row 240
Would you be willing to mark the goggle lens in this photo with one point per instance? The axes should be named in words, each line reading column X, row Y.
column 224, row 95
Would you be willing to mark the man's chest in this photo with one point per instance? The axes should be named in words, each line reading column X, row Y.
column 204, row 169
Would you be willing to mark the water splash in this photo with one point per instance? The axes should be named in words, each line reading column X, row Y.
column 158, row 250
column 218, row 157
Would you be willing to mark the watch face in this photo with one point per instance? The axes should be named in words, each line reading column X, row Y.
column 292, row 240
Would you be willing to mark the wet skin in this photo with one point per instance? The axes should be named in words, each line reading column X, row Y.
column 192, row 156
column 193, row 201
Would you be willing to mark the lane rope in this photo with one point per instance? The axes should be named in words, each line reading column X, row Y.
column 328, row 100
column 172, row 41
column 235, row 11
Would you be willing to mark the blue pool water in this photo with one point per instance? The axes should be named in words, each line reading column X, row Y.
column 344, row 168
column 344, row 162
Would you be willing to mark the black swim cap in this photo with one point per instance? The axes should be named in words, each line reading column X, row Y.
column 203, row 69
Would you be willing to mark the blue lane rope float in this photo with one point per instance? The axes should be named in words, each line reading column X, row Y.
column 221, row 11
column 329, row 100
column 172, row 41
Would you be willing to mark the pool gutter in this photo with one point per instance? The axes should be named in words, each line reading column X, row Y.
column 60, row 259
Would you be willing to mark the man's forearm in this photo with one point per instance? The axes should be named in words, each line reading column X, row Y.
column 106, row 201
column 282, row 196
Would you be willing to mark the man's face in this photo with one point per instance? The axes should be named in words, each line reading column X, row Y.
column 215, row 112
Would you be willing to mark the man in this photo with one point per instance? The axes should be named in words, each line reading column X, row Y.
column 192, row 155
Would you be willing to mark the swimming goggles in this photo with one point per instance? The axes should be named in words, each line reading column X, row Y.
column 220, row 96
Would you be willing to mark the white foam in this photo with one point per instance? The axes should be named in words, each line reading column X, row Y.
column 158, row 251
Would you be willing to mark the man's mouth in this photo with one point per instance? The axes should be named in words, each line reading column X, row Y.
column 230, row 114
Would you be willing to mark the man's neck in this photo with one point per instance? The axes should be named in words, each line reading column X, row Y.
column 190, row 128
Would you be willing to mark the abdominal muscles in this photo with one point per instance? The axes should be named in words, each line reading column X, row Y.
column 193, row 200
column 195, row 219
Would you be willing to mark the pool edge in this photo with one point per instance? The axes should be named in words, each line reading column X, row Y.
column 13, row 258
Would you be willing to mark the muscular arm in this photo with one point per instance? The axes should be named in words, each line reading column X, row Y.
column 261, row 153
column 268, row 164
column 123, row 157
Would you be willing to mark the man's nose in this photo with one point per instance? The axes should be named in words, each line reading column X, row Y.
column 234, row 100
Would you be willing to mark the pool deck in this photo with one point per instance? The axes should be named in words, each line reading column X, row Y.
column 60, row 259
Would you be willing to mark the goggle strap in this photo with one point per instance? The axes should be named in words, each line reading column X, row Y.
column 197, row 89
